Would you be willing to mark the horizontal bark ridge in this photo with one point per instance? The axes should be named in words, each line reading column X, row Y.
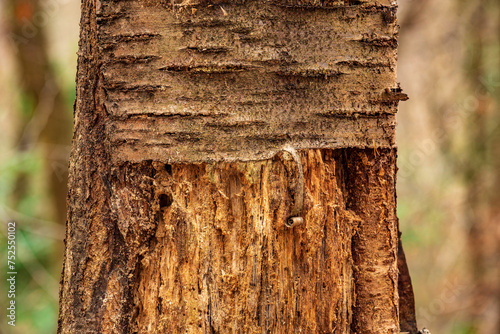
column 195, row 82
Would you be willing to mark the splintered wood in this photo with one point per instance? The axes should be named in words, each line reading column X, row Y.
column 193, row 81
column 180, row 187
column 223, row 260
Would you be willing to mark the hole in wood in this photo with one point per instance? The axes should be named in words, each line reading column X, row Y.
column 165, row 201
column 293, row 221
column 168, row 168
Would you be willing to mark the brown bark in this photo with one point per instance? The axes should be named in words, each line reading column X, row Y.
column 162, row 239
column 371, row 187
column 199, row 83
column 407, row 316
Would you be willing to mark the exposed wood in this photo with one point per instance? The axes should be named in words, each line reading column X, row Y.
column 158, row 245
column 371, row 188
column 204, row 248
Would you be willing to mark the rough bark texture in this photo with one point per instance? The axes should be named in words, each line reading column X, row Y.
column 407, row 316
column 154, row 245
column 199, row 82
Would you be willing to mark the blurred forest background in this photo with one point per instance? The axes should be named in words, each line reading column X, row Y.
column 449, row 156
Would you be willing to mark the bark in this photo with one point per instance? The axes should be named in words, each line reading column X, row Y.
column 407, row 316
column 175, row 228
column 202, row 83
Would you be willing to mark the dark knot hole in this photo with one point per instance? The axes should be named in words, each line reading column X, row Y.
column 165, row 200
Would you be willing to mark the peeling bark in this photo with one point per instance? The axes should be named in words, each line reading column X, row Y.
column 160, row 242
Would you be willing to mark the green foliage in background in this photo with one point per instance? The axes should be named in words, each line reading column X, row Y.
column 39, row 244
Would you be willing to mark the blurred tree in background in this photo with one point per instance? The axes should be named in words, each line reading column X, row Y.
column 449, row 156
column 482, row 170
column 36, row 97
column 449, row 161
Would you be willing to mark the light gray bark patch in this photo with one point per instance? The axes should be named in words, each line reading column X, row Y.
column 239, row 82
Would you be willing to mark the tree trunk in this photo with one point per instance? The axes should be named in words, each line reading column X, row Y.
column 184, row 173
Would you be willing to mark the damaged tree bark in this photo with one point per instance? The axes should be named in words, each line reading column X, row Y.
column 182, row 183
